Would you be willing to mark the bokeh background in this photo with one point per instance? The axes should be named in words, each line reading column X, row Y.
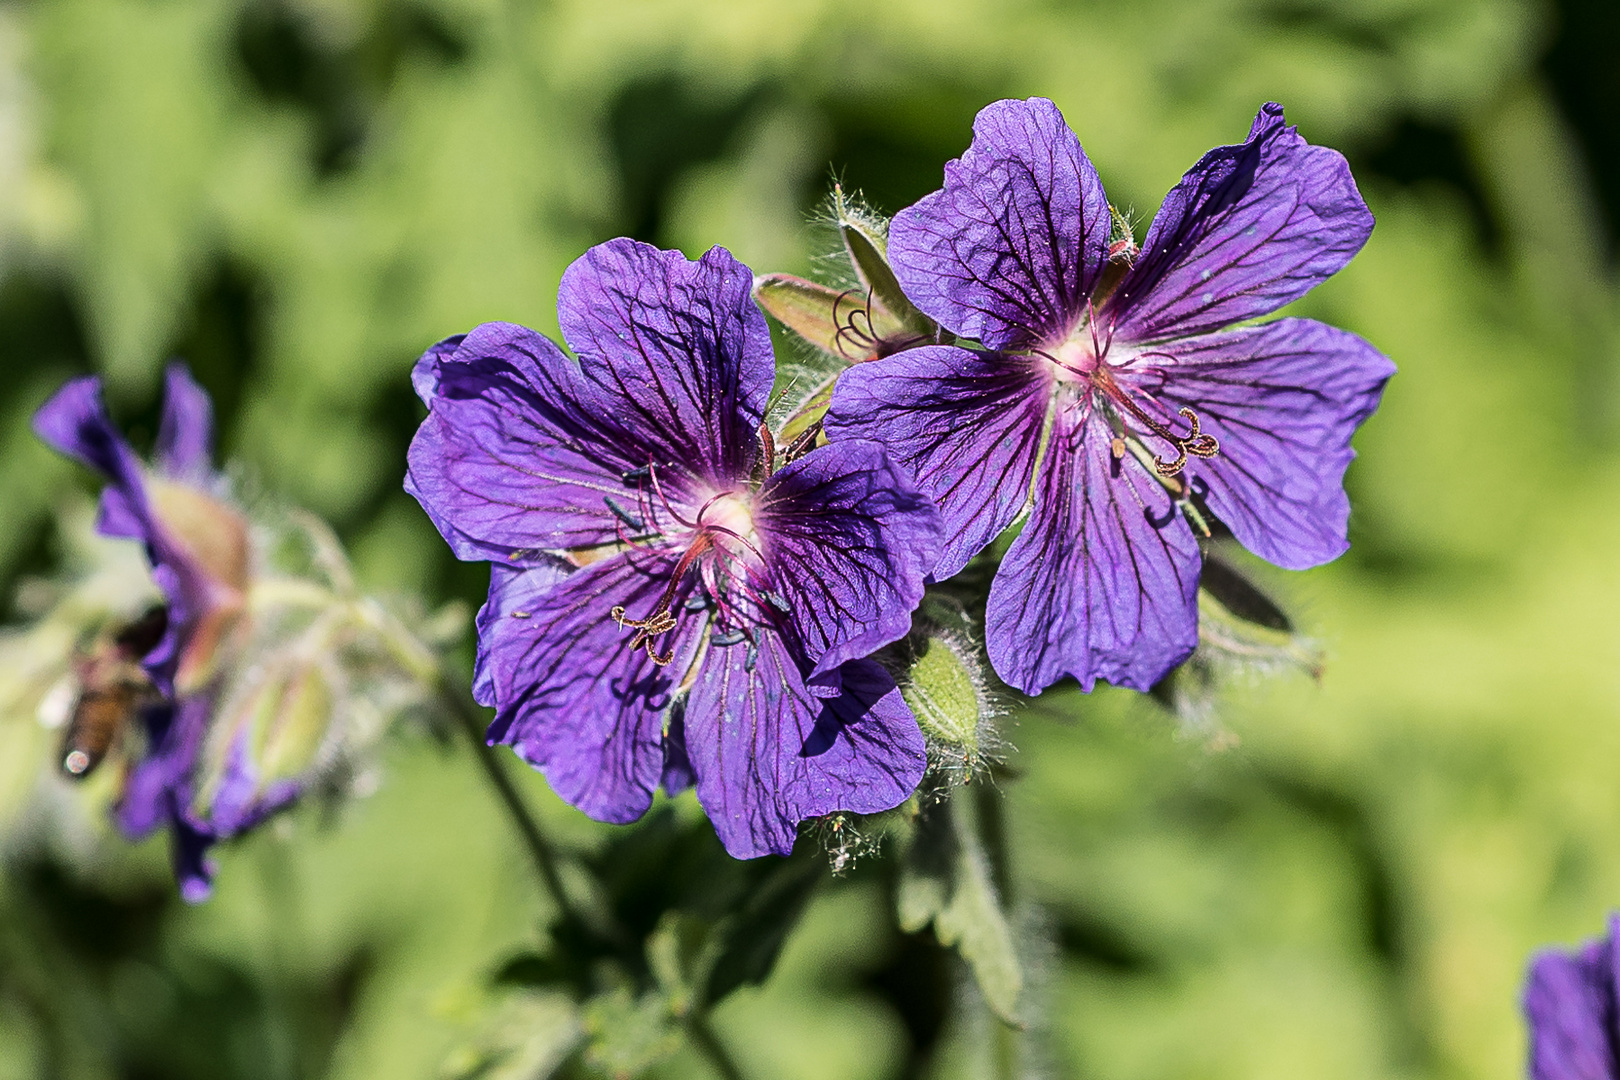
column 1338, row 879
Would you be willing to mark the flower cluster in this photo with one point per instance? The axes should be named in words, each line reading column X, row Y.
column 1105, row 399
column 679, row 597
column 258, row 673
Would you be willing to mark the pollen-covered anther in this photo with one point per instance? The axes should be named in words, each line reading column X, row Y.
column 1195, row 442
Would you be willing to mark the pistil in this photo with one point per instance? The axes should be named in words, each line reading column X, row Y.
column 662, row 620
column 1195, row 442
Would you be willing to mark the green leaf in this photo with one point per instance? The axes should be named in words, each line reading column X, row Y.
column 1239, row 625
column 754, row 936
column 945, row 880
column 629, row 1035
column 520, row 1036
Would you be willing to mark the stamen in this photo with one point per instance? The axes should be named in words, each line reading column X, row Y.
column 624, row 515
column 767, row 455
column 1194, row 443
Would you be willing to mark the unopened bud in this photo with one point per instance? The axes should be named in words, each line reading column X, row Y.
column 943, row 682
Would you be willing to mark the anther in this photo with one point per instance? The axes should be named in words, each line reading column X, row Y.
column 624, row 515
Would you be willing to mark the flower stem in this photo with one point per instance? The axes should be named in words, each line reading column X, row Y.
column 707, row 1041
column 1006, row 1041
column 471, row 721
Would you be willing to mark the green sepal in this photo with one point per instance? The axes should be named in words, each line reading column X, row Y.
column 866, row 243
column 1240, row 629
column 811, row 412
column 945, row 880
column 810, row 309
column 943, row 694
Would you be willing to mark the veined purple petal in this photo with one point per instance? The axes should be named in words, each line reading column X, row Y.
column 511, row 589
column 1009, row 250
column 846, row 541
column 965, row 425
column 1283, row 400
column 676, row 350
column 185, row 441
column 1570, row 1002
column 1248, row 229
column 425, row 372
column 768, row 754
column 1103, row 581
column 510, row 458
column 575, row 700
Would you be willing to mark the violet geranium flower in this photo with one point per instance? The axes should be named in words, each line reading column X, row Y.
column 713, row 618
column 1573, row 1004
column 198, row 549
column 1108, row 394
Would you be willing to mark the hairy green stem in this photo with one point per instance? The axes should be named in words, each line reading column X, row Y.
column 1006, row 1048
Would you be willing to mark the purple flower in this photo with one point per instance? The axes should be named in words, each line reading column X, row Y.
column 1107, row 396
column 198, row 548
column 666, row 606
column 1573, row 1005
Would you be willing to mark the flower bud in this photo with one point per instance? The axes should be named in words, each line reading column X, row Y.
column 943, row 682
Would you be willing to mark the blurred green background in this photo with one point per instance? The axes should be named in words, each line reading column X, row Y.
column 1344, row 879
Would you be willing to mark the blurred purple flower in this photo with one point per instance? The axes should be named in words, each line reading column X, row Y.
column 1108, row 395
column 1573, row 1004
column 664, row 607
column 198, row 549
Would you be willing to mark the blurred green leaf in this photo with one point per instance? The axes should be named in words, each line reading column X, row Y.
column 945, row 881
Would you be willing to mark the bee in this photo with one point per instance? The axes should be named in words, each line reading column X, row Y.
column 113, row 688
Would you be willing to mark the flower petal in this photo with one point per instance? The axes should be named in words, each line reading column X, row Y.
column 511, row 589
column 425, row 372
column 847, row 541
column 75, row 422
column 1282, row 400
column 190, row 847
column 1009, row 250
column 965, row 425
column 510, row 459
column 152, row 791
column 576, row 701
column 677, row 350
column 185, row 441
column 1248, row 229
column 1570, row 1004
column 1103, row 581
column 768, row 754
